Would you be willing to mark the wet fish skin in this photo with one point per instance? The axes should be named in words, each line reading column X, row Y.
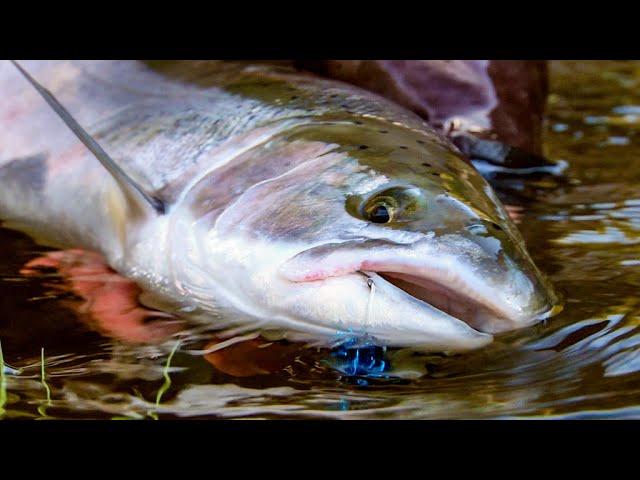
column 264, row 172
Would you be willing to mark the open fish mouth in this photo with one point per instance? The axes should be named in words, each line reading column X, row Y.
column 446, row 299
column 478, row 312
column 450, row 294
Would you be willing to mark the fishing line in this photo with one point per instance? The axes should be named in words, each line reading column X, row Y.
column 372, row 291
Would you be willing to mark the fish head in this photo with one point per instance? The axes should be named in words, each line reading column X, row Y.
column 368, row 231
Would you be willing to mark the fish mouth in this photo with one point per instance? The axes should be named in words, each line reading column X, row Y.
column 462, row 304
column 451, row 291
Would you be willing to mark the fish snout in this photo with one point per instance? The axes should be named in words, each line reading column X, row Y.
column 516, row 293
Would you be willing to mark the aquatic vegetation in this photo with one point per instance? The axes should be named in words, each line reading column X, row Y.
column 42, row 409
column 165, row 373
column 3, row 383
column 167, row 380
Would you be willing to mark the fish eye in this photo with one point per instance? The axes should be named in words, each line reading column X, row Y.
column 380, row 212
column 393, row 205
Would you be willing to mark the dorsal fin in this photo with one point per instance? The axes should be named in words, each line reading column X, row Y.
column 128, row 185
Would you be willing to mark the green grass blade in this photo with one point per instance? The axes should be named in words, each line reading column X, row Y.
column 43, row 380
column 3, row 383
column 167, row 379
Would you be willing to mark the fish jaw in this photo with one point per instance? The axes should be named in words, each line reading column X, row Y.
column 364, row 306
column 450, row 277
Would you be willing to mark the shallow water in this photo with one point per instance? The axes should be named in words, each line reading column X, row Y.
column 583, row 231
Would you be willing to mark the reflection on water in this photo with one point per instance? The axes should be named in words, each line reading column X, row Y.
column 584, row 231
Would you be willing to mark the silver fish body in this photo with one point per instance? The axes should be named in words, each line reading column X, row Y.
column 293, row 204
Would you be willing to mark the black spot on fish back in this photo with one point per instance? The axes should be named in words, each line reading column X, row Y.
column 26, row 173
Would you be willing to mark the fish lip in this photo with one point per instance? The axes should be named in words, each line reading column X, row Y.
column 472, row 302
column 461, row 296
column 466, row 337
column 377, row 277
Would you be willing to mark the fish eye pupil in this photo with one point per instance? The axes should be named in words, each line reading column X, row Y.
column 379, row 214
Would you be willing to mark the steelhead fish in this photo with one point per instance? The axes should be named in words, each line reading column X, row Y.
column 259, row 197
